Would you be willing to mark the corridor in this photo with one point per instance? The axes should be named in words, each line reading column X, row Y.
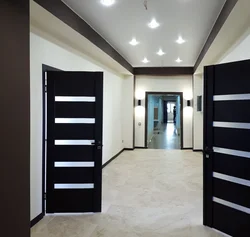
column 165, row 138
column 146, row 193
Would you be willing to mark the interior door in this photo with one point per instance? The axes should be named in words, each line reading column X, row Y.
column 74, row 134
column 227, row 148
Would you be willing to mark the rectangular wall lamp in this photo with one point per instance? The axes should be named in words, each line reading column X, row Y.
column 139, row 102
column 188, row 103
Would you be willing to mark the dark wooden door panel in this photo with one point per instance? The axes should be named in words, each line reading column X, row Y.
column 232, row 111
column 74, row 153
column 74, row 161
column 77, row 110
column 231, row 221
column 75, row 131
column 232, row 165
column 227, row 149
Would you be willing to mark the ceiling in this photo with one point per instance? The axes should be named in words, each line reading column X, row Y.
column 119, row 23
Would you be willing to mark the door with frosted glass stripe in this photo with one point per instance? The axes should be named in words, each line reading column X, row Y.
column 227, row 148
column 74, row 131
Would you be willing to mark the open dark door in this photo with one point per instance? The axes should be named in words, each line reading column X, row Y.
column 74, row 133
column 227, row 148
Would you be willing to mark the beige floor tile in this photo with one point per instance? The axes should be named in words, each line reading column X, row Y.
column 146, row 193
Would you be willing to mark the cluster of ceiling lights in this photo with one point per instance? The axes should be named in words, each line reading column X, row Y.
column 153, row 25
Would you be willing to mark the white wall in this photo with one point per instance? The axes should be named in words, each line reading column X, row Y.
column 164, row 84
column 239, row 52
column 115, row 106
column 128, row 111
column 198, row 116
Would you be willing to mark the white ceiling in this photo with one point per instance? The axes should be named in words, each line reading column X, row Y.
column 118, row 24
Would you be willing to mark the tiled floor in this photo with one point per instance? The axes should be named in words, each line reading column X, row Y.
column 146, row 193
column 165, row 138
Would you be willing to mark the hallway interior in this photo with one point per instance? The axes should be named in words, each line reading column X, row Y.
column 166, row 137
column 149, row 193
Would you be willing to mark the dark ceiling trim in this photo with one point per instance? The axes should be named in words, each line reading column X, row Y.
column 65, row 14
column 225, row 12
column 163, row 71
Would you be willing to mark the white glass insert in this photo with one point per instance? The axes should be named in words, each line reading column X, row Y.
column 232, row 205
column 73, row 186
column 74, row 98
column 232, row 125
column 231, row 179
column 232, row 97
column 74, row 164
column 231, row 152
column 75, row 120
column 74, row 142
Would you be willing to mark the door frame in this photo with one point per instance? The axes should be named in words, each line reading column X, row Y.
column 146, row 113
column 45, row 68
column 208, row 111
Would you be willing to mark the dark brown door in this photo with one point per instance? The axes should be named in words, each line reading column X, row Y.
column 227, row 148
column 74, row 133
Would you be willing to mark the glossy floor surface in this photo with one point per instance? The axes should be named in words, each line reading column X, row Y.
column 146, row 193
column 165, row 138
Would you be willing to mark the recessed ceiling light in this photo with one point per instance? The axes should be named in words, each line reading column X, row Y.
column 145, row 60
column 107, row 3
column 180, row 40
column 153, row 24
column 134, row 42
column 178, row 60
column 160, row 52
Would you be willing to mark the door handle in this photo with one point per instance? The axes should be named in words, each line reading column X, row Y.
column 98, row 145
column 208, row 152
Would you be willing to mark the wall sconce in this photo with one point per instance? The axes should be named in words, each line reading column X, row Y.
column 139, row 103
column 188, row 103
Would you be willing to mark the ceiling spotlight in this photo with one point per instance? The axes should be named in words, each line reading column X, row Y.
column 160, row 52
column 180, row 40
column 145, row 60
column 153, row 24
column 134, row 42
column 107, row 3
column 178, row 60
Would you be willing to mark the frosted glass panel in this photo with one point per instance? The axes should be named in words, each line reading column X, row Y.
column 232, row 205
column 74, row 142
column 75, row 120
column 73, row 186
column 74, row 164
column 232, row 125
column 232, row 97
column 231, row 152
column 231, row 179
column 74, row 98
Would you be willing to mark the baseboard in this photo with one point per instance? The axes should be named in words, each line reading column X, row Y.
column 36, row 219
column 128, row 149
column 140, row 147
column 197, row 150
column 187, row 148
column 105, row 164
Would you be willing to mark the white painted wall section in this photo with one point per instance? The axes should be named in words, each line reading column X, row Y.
column 241, row 51
column 127, row 107
column 198, row 116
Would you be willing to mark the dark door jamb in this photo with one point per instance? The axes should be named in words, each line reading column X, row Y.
column 45, row 68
